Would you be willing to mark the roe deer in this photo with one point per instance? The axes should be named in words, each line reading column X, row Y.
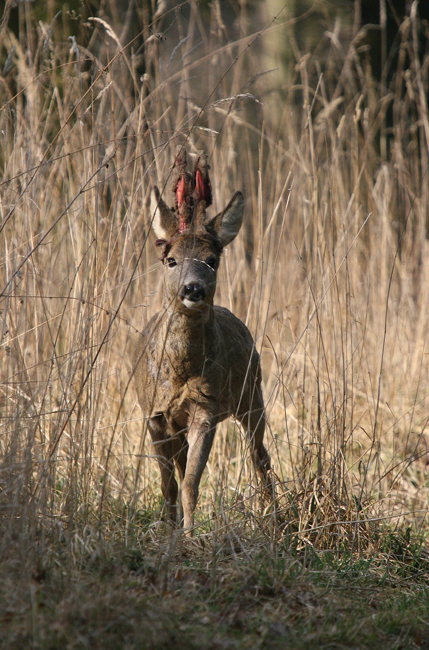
column 195, row 363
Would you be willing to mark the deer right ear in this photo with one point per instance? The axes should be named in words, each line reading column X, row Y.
column 227, row 223
column 165, row 223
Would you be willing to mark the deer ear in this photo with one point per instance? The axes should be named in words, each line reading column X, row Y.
column 165, row 223
column 227, row 223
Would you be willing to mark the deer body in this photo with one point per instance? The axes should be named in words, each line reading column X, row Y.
column 195, row 363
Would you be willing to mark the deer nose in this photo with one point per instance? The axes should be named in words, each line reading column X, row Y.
column 194, row 292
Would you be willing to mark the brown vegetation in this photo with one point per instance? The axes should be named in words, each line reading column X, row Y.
column 330, row 274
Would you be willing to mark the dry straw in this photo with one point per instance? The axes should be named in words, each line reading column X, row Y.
column 330, row 273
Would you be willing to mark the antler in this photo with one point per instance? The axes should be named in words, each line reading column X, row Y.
column 192, row 192
column 203, row 187
column 182, row 186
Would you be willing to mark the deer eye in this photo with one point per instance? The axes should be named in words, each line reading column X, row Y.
column 212, row 261
column 171, row 262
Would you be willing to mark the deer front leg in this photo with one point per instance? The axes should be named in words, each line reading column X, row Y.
column 164, row 451
column 200, row 440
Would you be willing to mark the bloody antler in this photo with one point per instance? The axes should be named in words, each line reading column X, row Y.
column 203, row 187
column 192, row 192
column 182, row 186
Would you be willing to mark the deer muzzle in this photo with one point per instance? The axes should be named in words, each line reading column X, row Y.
column 192, row 294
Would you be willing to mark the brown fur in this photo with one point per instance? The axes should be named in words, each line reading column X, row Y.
column 196, row 364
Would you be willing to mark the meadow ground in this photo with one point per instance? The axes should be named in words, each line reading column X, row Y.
column 330, row 273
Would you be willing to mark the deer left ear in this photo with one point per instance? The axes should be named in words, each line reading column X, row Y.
column 228, row 223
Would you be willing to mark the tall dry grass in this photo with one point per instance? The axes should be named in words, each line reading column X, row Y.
column 330, row 272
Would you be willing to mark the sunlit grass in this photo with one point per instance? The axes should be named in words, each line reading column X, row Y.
column 330, row 273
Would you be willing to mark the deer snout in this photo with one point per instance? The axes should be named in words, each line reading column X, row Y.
column 192, row 294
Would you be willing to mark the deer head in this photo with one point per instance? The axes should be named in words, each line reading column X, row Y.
column 190, row 243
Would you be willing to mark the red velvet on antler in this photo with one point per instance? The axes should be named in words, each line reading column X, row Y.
column 203, row 188
column 180, row 191
column 192, row 192
column 182, row 186
column 180, row 199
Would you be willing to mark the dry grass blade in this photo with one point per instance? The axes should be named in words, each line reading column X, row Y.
column 330, row 273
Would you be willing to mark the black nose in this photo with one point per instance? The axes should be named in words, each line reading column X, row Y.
column 193, row 292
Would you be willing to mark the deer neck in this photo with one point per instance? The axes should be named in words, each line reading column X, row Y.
column 187, row 340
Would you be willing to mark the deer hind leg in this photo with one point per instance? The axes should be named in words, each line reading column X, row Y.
column 180, row 451
column 164, row 451
column 253, row 422
column 200, row 440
